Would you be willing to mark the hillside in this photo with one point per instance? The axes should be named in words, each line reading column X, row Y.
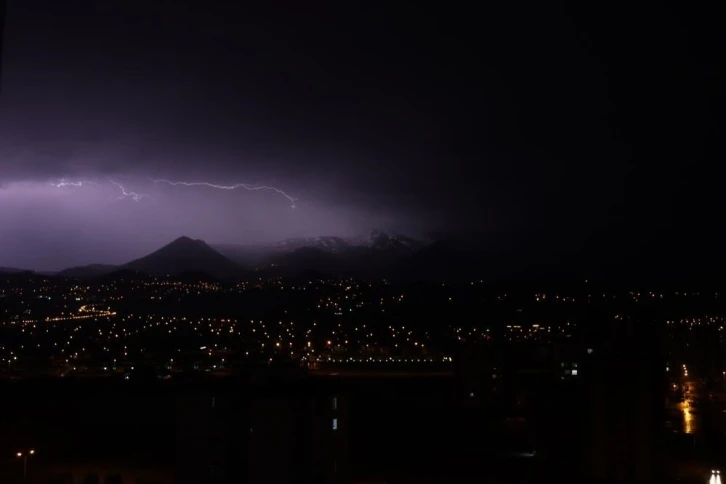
column 186, row 255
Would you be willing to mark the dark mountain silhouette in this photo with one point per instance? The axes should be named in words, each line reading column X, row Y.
column 185, row 255
column 376, row 239
column 91, row 270
column 325, row 242
column 305, row 259
column 12, row 270
column 376, row 254
column 376, row 242
column 440, row 261
column 362, row 262
column 372, row 256
column 382, row 241
column 245, row 255
column 122, row 274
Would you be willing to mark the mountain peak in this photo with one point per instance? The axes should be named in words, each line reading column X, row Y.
column 185, row 255
column 187, row 241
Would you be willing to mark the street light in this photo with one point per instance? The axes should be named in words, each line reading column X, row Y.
column 24, row 456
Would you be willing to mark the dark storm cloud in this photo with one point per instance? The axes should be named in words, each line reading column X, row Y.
column 555, row 126
column 93, row 91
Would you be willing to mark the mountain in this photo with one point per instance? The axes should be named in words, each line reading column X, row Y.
column 375, row 240
column 440, row 261
column 375, row 254
column 89, row 271
column 185, row 255
column 305, row 259
column 121, row 274
column 12, row 270
column 379, row 240
column 245, row 255
column 325, row 242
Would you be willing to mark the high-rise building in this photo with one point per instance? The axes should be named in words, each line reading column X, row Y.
column 624, row 377
column 286, row 435
column 301, row 438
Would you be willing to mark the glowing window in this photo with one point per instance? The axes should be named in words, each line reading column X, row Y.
column 335, row 424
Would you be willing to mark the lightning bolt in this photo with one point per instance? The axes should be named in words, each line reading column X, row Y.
column 68, row 184
column 246, row 186
column 124, row 194
column 80, row 183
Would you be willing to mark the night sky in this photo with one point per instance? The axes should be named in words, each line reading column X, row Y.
column 566, row 134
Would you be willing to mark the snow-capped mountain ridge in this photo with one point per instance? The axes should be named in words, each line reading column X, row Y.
column 376, row 239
